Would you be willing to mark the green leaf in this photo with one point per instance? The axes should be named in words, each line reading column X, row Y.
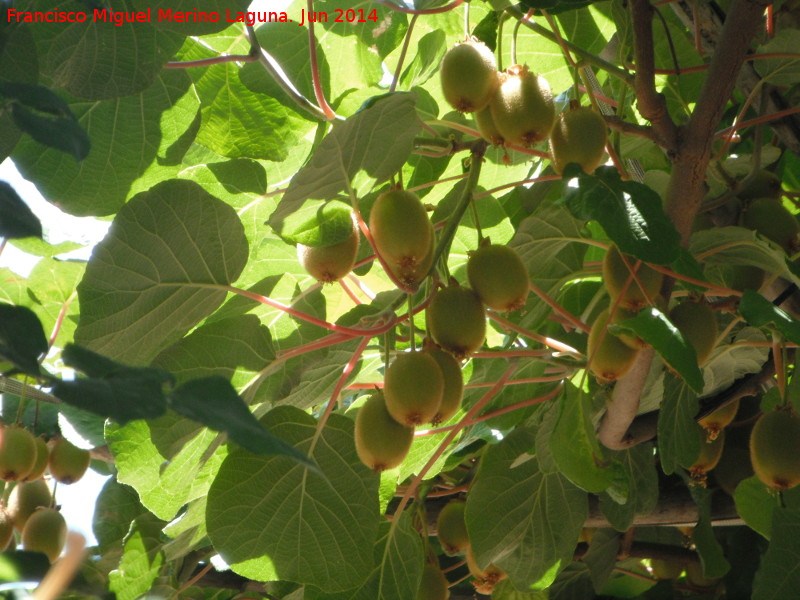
column 187, row 531
column 101, row 183
column 712, row 555
column 574, row 444
column 655, row 328
column 783, row 69
column 679, row 435
column 16, row 219
column 116, row 507
column 142, row 559
column 22, row 339
column 430, row 50
column 630, row 213
column 99, row 60
column 51, row 295
column 756, row 503
column 760, row 312
column 376, row 140
column 300, row 526
column 779, row 574
column 398, row 566
column 524, row 521
column 19, row 63
column 642, row 491
column 177, row 277
column 213, row 402
column 602, row 556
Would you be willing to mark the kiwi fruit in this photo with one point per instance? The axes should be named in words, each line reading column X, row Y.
column 775, row 449
column 40, row 464
column 433, row 585
column 774, row 221
column 469, row 76
column 710, row 453
column 67, row 463
column 743, row 277
column 718, row 420
column 632, row 341
column 25, row 498
column 453, row 385
column 381, row 442
column 411, row 275
column 487, row 128
column 579, row 136
column 456, row 320
column 609, row 358
column 522, row 108
column 327, row 264
column 616, row 275
column 413, row 387
column 666, row 569
column 401, row 230
column 6, row 528
column 45, row 532
column 484, row 579
column 17, row 453
column 451, row 528
column 696, row 577
column 697, row 323
column 497, row 275
column 763, row 185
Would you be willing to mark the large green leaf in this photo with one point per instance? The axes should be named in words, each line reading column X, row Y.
column 101, row 183
column 642, row 497
column 761, row 312
column 377, row 140
column 142, row 559
column 301, row 526
column 97, row 59
column 524, row 521
column 779, row 574
column 116, row 507
column 22, row 339
column 679, row 435
column 189, row 246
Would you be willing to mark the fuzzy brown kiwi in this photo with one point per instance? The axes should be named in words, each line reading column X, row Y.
column 499, row 277
column 616, row 275
column 25, row 498
column 609, row 357
column 6, row 528
column 774, row 221
column 487, row 128
column 764, row 185
column 433, row 585
column 710, row 453
column 718, row 420
column 40, row 465
column 327, row 264
column 381, row 442
column 410, row 275
column 468, row 76
column 401, row 229
column 456, row 320
column 451, row 528
column 775, row 449
column 46, row 532
column 413, row 387
column 698, row 324
column 579, row 136
column 453, row 385
column 522, row 108
column 666, row 569
column 67, row 463
column 484, row 579
column 17, row 453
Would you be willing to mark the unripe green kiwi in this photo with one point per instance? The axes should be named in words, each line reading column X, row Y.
column 743, row 277
column 497, row 275
column 453, row 384
column 67, row 463
column 456, row 320
column 25, row 498
column 330, row 263
column 775, row 449
column 412, row 275
column 451, row 528
column 666, row 569
column 696, row 577
column 718, row 420
column 6, row 528
column 487, row 128
column 413, row 387
column 39, row 466
column 632, row 341
column 710, row 453
column 17, row 453
column 609, row 358
column 401, row 230
column 640, row 291
column 46, row 532
column 381, row 442
column 697, row 323
column 763, row 185
column 772, row 220
column 522, row 107
column 579, row 136
column 469, row 76
column 484, row 579
column 434, row 584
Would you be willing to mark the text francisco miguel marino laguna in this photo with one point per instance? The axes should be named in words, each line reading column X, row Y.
column 119, row 18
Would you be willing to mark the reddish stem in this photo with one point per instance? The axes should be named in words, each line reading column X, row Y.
column 757, row 120
column 349, row 292
column 214, row 60
column 348, row 369
column 547, row 341
column 319, row 94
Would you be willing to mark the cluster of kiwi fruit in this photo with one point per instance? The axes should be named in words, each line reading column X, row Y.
column 30, row 511
column 515, row 107
column 451, row 529
column 632, row 285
